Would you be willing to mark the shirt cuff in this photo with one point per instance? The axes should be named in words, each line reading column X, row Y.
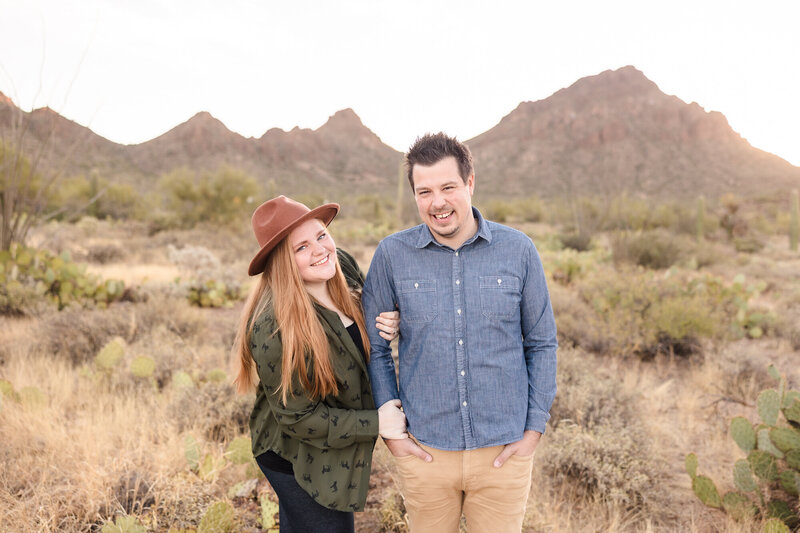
column 537, row 421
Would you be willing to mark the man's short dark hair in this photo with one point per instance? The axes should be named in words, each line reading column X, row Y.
column 432, row 148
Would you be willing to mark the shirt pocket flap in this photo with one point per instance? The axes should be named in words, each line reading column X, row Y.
column 510, row 283
column 417, row 285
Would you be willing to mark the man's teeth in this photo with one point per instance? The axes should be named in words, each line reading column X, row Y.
column 443, row 215
column 320, row 262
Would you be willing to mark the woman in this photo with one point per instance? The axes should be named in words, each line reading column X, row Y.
column 302, row 345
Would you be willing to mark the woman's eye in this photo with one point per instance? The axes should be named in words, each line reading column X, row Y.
column 301, row 248
column 322, row 236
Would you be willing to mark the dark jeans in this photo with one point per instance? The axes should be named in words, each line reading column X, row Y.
column 299, row 513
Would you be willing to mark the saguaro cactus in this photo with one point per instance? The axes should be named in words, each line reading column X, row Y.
column 794, row 223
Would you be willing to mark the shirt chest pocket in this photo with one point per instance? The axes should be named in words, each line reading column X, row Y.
column 418, row 301
column 500, row 296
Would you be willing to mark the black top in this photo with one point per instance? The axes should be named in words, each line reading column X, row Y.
column 355, row 334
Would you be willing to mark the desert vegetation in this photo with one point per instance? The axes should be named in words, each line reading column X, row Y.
column 117, row 412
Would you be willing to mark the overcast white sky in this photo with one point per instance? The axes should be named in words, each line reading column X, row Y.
column 133, row 69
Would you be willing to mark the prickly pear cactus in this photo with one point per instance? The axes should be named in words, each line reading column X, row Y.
column 706, row 490
column 772, row 468
column 191, row 450
column 143, row 366
column 110, row 354
column 743, row 476
column 268, row 511
column 239, row 451
column 775, row 525
column 124, row 524
column 743, row 434
column 217, row 375
column 218, row 519
column 181, row 379
column 769, row 404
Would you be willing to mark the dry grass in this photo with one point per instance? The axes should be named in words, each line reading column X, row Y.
column 101, row 445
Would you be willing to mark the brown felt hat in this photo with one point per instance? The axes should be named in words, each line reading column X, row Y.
column 275, row 219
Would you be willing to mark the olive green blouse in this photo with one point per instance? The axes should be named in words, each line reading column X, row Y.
column 329, row 441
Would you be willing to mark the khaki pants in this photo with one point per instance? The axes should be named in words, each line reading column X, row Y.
column 492, row 499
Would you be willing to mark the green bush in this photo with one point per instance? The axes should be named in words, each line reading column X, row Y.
column 767, row 482
column 639, row 312
column 222, row 198
column 95, row 197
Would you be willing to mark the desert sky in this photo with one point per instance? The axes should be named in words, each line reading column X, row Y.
column 133, row 69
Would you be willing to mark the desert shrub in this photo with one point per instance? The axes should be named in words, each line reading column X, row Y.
column 208, row 284
column 375, row 209
column 580, row 242
column 352, row 231
column 222, row 198
column 767, row 482
column 644, row 314
column 654, row 249
column 498, row 210
column 78, row 334
column 749, row 244
column 27, row 275
column 567, row 265
column 577, row 323
column 96, row 197
column 598, row 442
column 213, row 409
column 104, row 253
column 639, row 312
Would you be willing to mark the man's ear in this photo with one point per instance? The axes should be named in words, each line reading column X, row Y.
column 471, row 183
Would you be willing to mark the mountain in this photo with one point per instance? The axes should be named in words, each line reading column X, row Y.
column 608, row 134
column 617, row 132
column 340, row 154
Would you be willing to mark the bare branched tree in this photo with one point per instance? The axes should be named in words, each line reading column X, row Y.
column 31, row 164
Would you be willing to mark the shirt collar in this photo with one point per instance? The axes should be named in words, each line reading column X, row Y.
column 426, row 237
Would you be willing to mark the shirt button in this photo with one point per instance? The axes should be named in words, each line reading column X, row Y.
column 416, row 285
column 459, row 311
column 499, row 281
column 456, row 253
column 458, row 282
column 464, row 404
column 463, row 373
column 460, row 341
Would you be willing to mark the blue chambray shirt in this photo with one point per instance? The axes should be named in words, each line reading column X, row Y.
column 477, row 352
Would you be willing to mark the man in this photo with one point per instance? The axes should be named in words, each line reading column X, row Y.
column 477, row 352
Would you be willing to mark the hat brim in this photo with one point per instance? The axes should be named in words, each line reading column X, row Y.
column 326, row 213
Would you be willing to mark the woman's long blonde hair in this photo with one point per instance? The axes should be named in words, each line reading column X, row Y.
column 304, row 341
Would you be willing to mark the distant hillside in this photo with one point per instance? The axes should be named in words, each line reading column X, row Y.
column 340, row 154
column 604, row 135
column 616, row 132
